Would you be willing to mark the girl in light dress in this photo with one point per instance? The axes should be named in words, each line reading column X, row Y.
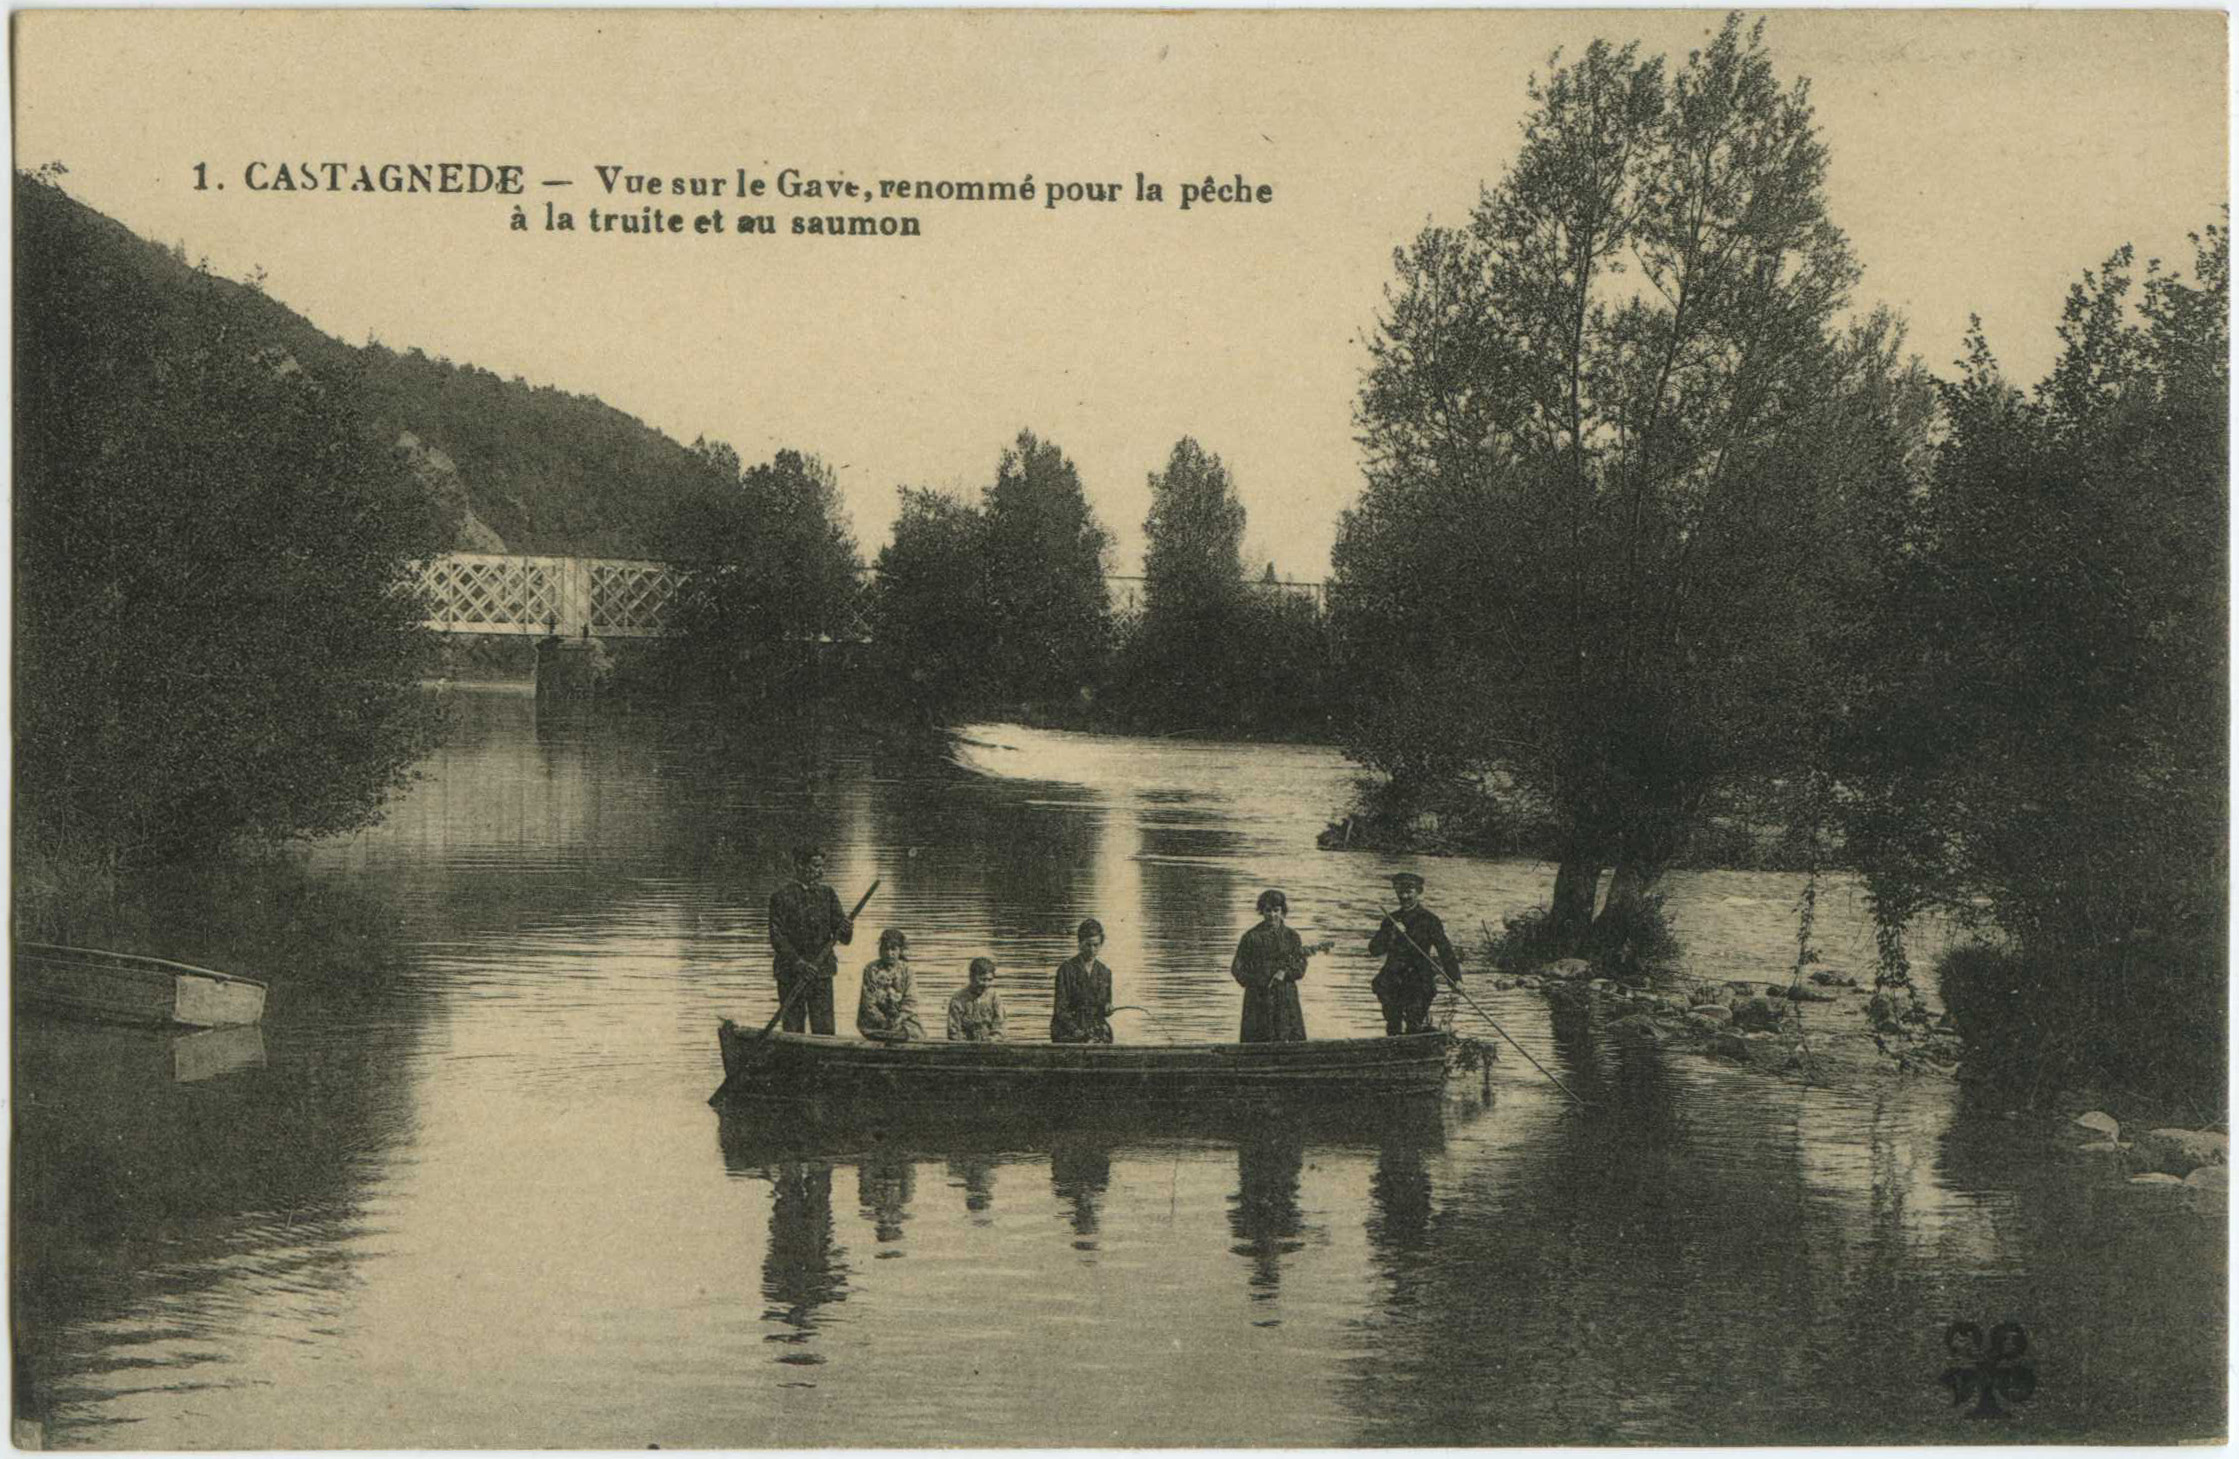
column 888, row 1008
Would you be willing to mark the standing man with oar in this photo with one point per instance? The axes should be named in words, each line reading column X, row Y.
column 805, row 925
column 1408, row 984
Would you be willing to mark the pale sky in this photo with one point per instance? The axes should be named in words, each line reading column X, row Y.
column 1980, row 159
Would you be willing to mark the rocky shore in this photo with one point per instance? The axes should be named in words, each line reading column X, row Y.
column 2169, row 1156
column 1824, row 1029
column 1828, row 1029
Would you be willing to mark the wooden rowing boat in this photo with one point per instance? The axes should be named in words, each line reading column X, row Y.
column 1057, row 1078
column 120, row 987
column 756, row 1134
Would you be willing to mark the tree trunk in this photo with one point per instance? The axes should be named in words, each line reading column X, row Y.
column 1573, row 904
column 1628, row 884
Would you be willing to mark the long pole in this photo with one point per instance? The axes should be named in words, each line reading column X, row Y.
column 785, row 1005
column 801, row 987
column 1399, row 928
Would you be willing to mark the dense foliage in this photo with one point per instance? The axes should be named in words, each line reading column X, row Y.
column 2039, row 747
column 1050, row 615
column 1211, row 652
column 998, row 603
column 543, row 470
column 208, row 640
column 1194, row 591
column 775, row 579
column 531, row 469
column 929, row 608
column 1619, row 459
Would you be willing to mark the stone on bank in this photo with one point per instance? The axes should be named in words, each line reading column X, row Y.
column 2180, row 1152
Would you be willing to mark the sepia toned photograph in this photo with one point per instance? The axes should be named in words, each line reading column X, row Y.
column 929, row 729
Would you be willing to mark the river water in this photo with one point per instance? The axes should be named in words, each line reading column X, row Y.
column 464, row 1189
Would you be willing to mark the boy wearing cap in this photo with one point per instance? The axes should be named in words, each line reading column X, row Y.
column 1408, row 983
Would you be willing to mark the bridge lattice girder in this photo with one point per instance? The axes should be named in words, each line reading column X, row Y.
column 484, row 592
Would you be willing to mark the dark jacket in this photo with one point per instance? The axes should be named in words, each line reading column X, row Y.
column 803, row 921
column 1079, row 1012
column 1269, row 964
column 1403, row 970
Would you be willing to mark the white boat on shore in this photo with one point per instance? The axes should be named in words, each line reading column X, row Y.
column 120, row 987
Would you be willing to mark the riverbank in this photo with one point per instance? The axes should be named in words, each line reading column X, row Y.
column 1829, row 1031
column 2148, row 1154
column 1496, row 818
column 263, row 913
column 1102, row 715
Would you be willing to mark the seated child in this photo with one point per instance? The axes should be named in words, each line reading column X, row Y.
column 975, row 1014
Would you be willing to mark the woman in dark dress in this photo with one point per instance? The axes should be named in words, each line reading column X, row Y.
column 1081, row 1010
column 1269, row 962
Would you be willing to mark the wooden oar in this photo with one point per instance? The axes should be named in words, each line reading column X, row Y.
column 785, row 1005
column 1401, row 929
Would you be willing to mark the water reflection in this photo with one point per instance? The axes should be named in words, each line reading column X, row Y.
column 803, row 1267
column 975, row 1176
column 1080, row 1172
column 1193, row 904
column 171, row 1193
column 1399, row 1213
column 216, row 1052
column 1570, row 1028
column 1264, row 1214
column 469, row 1197
column 885, row 1181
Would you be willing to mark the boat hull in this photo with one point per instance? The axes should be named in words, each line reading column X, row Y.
column 1051, row 1079
column 122, row 988
column 756, row 1134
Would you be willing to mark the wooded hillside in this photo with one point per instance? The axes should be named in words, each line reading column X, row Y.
column 508, row 466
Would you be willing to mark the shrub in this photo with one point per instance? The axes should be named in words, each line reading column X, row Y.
column 1632, row 939
column 1487, row 817
column 2140, row 1017
column 1985, row 990
column 1628, row 941
column 1527, row 941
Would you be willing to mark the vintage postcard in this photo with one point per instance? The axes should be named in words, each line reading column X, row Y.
column 927, row 729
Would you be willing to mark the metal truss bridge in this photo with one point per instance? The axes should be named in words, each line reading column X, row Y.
column 483, row 592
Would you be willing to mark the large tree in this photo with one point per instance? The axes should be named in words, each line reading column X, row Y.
column 1050, row 612
column 985, row 605
column 1193, row 561
column 775, row 574
column 1616, row 445
column 2038, row 746
column 930, row 618
column 1185, row 651
column 209, row 638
